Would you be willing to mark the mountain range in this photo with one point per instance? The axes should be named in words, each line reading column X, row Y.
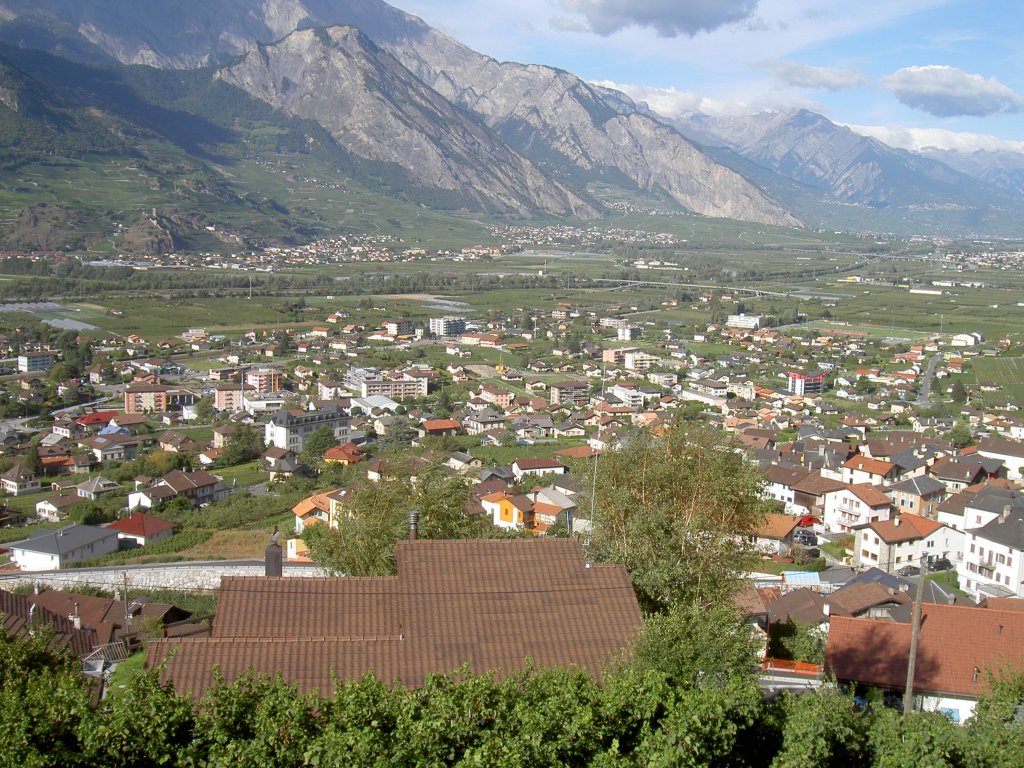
column 381, row 100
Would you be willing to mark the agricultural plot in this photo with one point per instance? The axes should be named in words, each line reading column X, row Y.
column 1006, row 373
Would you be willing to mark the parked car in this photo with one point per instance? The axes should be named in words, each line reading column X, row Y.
column 909, row 570
column 805, row 537
column 940, row 564
column 808, row 520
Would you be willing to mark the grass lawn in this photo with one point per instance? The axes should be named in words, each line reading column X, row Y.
column 125, row 672
column 948, row 579
column 836, row 548
column 770, row 566
column 242, row 475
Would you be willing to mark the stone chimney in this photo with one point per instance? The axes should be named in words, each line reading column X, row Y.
column 273, row 557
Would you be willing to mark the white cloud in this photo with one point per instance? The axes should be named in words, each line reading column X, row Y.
column 939, row 138
column 669, row 18
column 818, row 78
column 562, row 24
column 672, row 103
column 946, row 91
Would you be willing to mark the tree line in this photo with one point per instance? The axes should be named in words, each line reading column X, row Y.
column 532, row 718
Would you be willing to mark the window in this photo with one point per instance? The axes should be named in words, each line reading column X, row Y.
column 972, row 549
column 1000, row 559
column 977, row 519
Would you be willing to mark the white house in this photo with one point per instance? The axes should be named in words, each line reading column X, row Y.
column 50, row 550
column 1010, row 452
column 993, row 562
column 537, row 467
column 904, row 540
column 855, row 506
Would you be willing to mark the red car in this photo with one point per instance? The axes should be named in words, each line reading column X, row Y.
column 808, row 521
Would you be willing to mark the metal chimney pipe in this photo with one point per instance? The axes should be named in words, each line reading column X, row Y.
column 414, row 522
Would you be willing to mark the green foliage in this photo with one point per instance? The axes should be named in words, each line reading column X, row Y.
column 689, row 643
column 797, row 642
column 531, row 718
column 318, row 442
column 675, row 510
column 960, row 435
column 376, row 515
column 243, row 445
column 821, row 730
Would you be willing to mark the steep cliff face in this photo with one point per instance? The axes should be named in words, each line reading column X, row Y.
column 379, row 111
column 580, row 130
column 809, row 148
column 573, row 132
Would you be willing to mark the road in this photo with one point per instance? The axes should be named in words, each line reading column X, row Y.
column 926, row 381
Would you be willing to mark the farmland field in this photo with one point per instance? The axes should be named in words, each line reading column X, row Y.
column 1005, row 372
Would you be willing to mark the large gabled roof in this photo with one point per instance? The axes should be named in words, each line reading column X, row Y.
column 452, row 602
column 957, row 646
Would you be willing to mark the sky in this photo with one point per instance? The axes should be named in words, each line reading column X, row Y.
column 914, row 73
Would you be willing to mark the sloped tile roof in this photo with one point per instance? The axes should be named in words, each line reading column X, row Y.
column 954, row 641
column 452, row 602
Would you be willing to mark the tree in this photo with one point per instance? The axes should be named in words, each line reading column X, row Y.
column 376, row 515
column 205, row 410
column 32, row 461
column 676, row 510
column 244, row 444
column 318, row 442
column 960, row 435
column 797, row 642
column 689, row 643
column 958, row 392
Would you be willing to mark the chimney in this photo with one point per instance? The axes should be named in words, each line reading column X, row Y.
column 414, row 522
column 76, row 620
column 273, row 559
column 1006, row 513
column 827, row 610
column 896, row 521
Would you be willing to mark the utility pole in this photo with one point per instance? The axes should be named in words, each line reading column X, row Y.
column 127, row 613
column 915, row 634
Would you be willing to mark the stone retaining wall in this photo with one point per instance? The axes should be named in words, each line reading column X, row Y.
column 177, row 576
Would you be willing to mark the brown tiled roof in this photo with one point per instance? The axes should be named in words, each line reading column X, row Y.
column 817, row 485
column 776, row 526
column 871, row 495
column 859, row 597
column 17, row 620
column 906, row 527
column 867, row 464
column 452, row 602
column 954, row 641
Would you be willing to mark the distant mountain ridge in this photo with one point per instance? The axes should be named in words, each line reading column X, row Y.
column 563, row 125
column 807, row 148
column 520, row 140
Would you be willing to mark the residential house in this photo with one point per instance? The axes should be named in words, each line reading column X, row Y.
column 1010, row 452
column 774, row 536
column 139, row 529
column 537, row 467
column 439, row 427
column 862, row 469
column 993, row 561
column 96, row 487
column 959, row 643
column 903, row 540
column 919, row 495
column 200, row 487
column 55, row 508
column 114, row 447
column 346, row 454
column 435, row 615
column 19, row 480
column 956, row 474
column 854, row 506
column 50, row 550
